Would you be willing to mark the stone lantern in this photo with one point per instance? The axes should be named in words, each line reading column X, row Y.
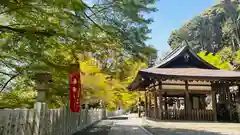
column 42, row 81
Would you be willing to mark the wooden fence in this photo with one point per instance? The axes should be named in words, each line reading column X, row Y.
column 47, row 122
column 196, row 114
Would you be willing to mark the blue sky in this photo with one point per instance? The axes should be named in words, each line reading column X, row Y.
column 171, row 15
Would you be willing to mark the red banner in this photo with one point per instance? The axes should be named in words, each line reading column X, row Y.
column 75, row 91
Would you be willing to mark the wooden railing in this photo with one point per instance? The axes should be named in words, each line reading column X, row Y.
column 196, row 114
column 173, row 115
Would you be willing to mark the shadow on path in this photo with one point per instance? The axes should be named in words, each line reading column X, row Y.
column 175, row 131
column 118, row 118
column 100, row 128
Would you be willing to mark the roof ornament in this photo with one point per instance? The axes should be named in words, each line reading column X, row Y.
column 186, row 57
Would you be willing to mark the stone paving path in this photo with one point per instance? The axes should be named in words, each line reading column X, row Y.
column 100, row 128
column 192, row 128
column 138, row 126
column 131, row 126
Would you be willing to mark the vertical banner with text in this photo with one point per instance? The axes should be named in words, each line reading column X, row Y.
column 75, row 91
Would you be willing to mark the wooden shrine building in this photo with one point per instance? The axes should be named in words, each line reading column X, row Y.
column 185, row 87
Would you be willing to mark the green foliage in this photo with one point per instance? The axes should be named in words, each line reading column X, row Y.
column 215, row 60
column 49, row 35
column 212, row 30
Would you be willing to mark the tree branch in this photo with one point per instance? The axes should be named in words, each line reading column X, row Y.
column 96, row 24
column 47, row 33
column 14, row 76
column 9, row 10
column 100, row 10
column 1, row 72
column 5, row 85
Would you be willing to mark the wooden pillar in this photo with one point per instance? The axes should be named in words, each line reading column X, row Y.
column 229, row 101
column 238, row 103
column 188, row 109
column 155, row 105
column 178, row 103
column 165, row 106
column 160, row 101
column 149, row 103
column 214, row 102
column 139, row 107
column 146, row 103
column 160, row 105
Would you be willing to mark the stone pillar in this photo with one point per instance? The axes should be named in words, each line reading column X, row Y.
column 42, row 81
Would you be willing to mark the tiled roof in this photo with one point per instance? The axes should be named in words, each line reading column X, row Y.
column 208, row 72
column 193, row 72
column 170, row 56
column 178, row 52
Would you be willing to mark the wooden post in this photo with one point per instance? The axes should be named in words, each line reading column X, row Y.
column 42, row 81
column 155, row 105
column 165, row 106
column 146, row 103
column 229, row 101
column 188, row 102
column 238, row 103
column 214, row 102
column 160, row 105
column 139, row 107
column 160, row 100
column 149, row 105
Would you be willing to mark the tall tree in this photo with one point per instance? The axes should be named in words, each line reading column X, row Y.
column 49, row 35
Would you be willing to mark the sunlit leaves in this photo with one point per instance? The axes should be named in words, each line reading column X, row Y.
column 216, row 60
column 49, row 35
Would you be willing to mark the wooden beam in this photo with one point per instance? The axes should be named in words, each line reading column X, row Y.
column 183, row 84
column 189, row 91
column 191, row 78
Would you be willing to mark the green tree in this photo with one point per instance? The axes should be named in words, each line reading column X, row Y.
column 211, row 30
column 49, row 35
